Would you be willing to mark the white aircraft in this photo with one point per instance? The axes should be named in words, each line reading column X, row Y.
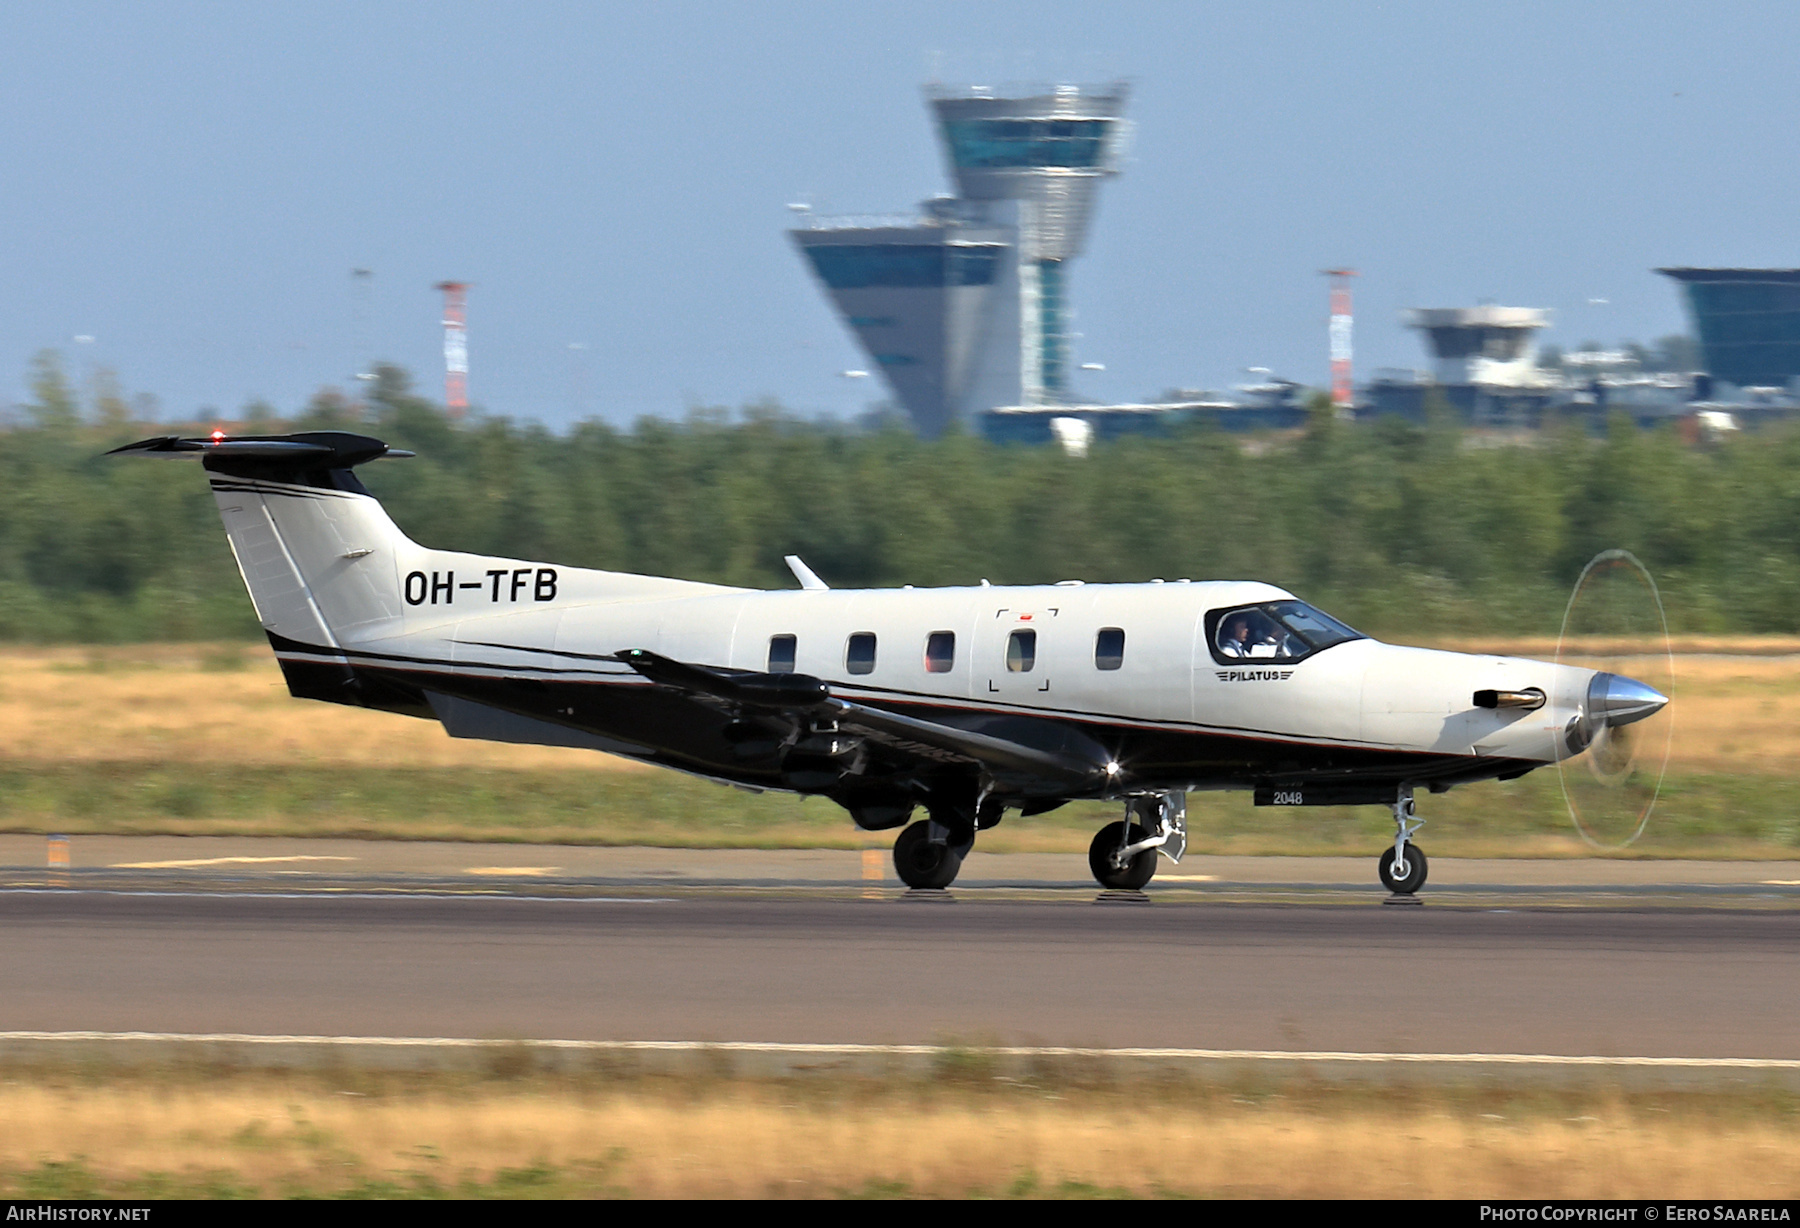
column 966, row 702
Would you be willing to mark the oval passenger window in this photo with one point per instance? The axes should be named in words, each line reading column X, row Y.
column 859, row 653
column 1109, row 648
column 940, row 652
column 781, row 654
column 1021, row 651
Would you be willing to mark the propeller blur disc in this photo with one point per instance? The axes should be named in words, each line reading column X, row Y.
column 1614, row 623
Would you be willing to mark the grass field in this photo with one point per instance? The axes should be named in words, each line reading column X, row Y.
column 185, row 739
column 960, row 1131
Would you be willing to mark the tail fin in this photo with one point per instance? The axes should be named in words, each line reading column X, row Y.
column 317, row 552
column 334, row 580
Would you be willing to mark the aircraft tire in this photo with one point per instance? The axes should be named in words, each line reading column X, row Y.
column 1415, row 878
column 920, row 863
column 1136, row 872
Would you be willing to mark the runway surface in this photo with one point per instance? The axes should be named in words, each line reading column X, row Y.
column 1699, row 982
column 261, row 864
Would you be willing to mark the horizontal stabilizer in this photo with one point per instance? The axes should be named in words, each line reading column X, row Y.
column 306, row 450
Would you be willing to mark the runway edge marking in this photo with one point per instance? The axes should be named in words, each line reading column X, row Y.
column 859, row 1050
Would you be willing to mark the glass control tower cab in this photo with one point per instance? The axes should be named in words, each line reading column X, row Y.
column 965, row 307
column 1044, row 156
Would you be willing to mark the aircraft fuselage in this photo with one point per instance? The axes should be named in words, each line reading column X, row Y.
column 1163, row 702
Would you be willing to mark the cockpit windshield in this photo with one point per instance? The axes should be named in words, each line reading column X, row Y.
column 1274, row 631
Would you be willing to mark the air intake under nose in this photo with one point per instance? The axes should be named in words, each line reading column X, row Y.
column 1617, row 700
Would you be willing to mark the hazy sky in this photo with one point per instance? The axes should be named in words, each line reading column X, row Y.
column 190, row 184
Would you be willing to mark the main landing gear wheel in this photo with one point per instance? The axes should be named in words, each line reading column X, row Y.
column 921, row 863
column 1138, row 868
column 1403, row 877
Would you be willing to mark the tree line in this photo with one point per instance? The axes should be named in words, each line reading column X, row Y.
column 1401, row 530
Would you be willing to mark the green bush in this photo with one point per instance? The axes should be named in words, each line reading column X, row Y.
column 1396, row 528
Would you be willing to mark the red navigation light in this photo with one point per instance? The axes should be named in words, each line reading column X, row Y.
column 217, row 436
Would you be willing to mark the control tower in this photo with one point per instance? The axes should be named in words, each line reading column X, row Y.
column 1044, row 154
column 1494, row 346
column 964, row 306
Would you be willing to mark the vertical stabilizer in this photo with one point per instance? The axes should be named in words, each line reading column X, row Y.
column 317, row 553
column 320, row 564
column 334, row 580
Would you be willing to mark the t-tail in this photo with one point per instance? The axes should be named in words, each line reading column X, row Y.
column 335, row 581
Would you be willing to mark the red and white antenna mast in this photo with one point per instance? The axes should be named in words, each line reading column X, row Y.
column 1343, row 393
column 456, row 346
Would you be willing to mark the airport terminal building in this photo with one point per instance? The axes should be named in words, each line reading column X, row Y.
column 1748, row 322
column 963, row 306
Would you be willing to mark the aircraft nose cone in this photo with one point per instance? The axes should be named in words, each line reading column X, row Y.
column 1618, row 700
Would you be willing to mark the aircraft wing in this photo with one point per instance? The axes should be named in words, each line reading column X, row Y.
column 1030, row 754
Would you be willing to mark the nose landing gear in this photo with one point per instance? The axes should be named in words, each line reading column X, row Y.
column 1403, row 874
column 1403, row 867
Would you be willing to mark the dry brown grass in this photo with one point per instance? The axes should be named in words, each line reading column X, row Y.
column 1543, row 647
column 1737, row 714
column 760, row 1140
column 200, row 704
column 220, row 704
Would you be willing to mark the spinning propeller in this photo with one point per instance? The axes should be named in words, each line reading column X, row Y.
column 1614, row 623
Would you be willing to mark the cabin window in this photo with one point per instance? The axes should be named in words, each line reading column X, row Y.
column 940, row 652
column 1109, row 648
column 859, row 653
column 1021, row 652
column 781, row 654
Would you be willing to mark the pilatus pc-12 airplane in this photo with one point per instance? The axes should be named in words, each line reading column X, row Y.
column 961, row 702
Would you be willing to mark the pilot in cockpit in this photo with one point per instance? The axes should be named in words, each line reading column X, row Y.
column 1252, row 633
column 1246, row 634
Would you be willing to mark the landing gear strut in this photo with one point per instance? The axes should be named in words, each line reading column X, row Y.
column 929, row 853
column 1123, row 855
column 1403, row 867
